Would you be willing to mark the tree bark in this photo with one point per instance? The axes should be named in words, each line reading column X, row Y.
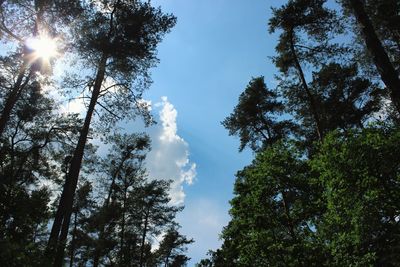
column 67, row 197
column 72, row 252
column 310, row 97
column 146, row 221
column 381, row 59
column 13, row 97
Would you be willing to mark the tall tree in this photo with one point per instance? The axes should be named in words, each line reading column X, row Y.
column 127, row 152
column 120, row 41
column 388, row 73
column 156, row 212
column 318, row 22
column 273, row 213
column 34, row 143
column 344, row 98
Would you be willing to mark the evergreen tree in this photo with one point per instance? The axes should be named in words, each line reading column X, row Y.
column 318, row 22
column 171, row 247
column 119, row 41
column 254, row 119
column 386, row 69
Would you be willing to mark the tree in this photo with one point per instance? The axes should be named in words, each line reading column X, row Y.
column 30, row 154
column 273, row 213
column 344, row 98
column 254, row 119
column 388, row 73
column 82, row 206
column 120, row 41
column 359, row 174
column 313, row 19
column 127, row 153
column 156, row 214
column 171, row 247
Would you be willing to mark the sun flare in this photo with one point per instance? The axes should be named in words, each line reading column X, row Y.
column 43, row 47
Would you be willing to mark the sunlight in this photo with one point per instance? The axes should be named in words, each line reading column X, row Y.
column 44, row 47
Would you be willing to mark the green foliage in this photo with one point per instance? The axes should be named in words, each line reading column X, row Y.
column 359, row 172
column 340, row 208
column 171, row 248
column 273, row 211
column 254, row 119
column 335, row 201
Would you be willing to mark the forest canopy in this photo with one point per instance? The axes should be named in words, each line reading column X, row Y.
column 322, row 189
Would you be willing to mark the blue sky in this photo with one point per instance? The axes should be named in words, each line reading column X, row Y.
column 205, row 63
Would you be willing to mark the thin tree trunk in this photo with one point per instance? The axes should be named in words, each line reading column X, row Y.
column 146, row 221
column 67, row 199
column 310, row 97
column 72, row 254
column 388, row 74
column 13, row 97
column 121, row 257
column 18, row 86
column 287, row 213
column 166, row 260
column 106, row 203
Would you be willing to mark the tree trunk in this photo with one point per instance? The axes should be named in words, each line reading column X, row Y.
column 310, row 97
column 146, row 221
column 381, row 59
column 13, row 97
column 72, row 254
column 121, row 257
column 56, row 228
column 106, row 203
column 67, row 199
column 166, row 261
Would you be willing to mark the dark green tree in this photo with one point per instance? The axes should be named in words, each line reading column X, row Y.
column 254, row 119
column 295, row 19
column 119, row 42
column 83, row 206
column 33, row 144
column 171, row 248
column 127, row 152
column 343, row 97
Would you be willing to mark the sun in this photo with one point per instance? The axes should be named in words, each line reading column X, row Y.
column 43, row 47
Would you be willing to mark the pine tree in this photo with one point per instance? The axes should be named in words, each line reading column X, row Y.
column 315, row 20
column 122, row 40
column 254, row 119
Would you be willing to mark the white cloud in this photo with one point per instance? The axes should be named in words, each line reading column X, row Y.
column 169, row 157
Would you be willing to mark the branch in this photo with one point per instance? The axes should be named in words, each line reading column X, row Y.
column 109, row 111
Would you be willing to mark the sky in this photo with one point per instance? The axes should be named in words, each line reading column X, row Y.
column 206, row 61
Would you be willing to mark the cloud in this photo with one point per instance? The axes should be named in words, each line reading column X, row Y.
column 169, row 157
